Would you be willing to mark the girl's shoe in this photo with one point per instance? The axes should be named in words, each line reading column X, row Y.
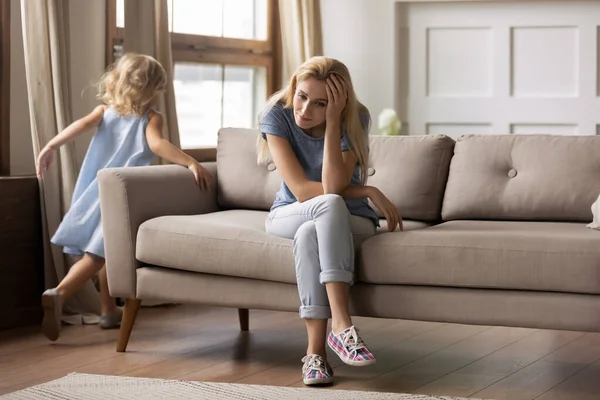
column 350, row 348
column 52, row 306
column 112, row 320
column 316, row 371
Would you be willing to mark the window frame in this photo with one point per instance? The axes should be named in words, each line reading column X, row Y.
column 5, row 89
column 214, row 50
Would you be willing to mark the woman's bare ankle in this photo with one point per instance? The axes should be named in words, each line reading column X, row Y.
column 319, row 351
column 340, row 326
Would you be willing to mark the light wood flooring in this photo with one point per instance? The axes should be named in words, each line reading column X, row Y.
column 204, row 343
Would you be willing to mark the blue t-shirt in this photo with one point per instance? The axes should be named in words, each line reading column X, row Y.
column 279, row 121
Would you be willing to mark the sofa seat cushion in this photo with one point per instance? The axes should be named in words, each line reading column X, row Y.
column 546, row 256
column 232, row 243
column 408, row 225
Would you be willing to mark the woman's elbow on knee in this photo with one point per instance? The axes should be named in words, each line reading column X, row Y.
column 332, row 189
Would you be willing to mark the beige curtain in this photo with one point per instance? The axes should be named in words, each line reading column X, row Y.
column 147, row 32
column 300, row 33
column 46, row 46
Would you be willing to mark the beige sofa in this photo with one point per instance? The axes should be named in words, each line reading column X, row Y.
column 494, row 233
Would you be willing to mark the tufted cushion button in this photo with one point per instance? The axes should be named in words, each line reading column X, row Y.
column 271, row 166
column 371, row 171
column 512, row 173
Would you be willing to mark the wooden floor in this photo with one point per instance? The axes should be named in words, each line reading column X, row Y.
column 205, row 344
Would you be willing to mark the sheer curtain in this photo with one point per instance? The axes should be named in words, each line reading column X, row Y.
column 46, row 47
column 300, row 32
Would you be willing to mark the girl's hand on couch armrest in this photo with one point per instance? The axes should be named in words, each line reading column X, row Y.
column 201, row 175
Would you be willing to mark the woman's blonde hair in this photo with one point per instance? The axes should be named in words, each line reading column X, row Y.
column 131, row 84
column 321, row 68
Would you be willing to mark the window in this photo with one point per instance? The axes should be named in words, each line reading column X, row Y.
column 226, row 63
column 210, row 96
column 5, row 89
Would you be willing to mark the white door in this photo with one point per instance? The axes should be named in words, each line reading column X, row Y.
column 498, row 67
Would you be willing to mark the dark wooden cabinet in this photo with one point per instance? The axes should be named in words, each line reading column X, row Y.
column 21, row 252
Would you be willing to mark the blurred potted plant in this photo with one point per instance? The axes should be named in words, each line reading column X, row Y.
column 389, row 123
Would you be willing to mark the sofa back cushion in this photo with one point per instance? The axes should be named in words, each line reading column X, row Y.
column 410, row 170
column 242, row 183
column 523, row 177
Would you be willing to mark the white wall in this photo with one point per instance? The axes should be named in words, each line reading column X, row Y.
column 498, row 67
column 380, row 44
column 87, row 29
column 361, row 33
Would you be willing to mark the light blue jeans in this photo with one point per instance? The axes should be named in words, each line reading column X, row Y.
column 322, row 229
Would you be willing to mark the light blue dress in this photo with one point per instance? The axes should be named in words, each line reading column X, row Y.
column 120, row 141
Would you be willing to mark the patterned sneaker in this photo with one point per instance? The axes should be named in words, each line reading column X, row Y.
column 316, row 371
column 350, row 348
column 51, row 323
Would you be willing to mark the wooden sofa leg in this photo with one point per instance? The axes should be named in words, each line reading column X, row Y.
column 131, row 309
column 244, row 315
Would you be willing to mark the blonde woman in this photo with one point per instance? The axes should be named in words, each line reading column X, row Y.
column 129, row 134
column 316, row 132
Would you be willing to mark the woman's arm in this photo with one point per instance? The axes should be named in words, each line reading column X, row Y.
column 292, row 174
column 338, row 166
column 290, row 169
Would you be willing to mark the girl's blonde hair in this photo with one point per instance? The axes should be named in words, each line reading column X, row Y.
column 321, row 68
column 131, row 84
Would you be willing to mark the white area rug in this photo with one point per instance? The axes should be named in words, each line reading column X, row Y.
column 92, row 387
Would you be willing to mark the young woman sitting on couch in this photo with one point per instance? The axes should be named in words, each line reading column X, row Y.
column 316, row 132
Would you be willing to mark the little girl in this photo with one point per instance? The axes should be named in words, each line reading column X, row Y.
column 129, row 134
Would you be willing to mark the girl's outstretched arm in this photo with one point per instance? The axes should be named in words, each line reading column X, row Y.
column 78, row 127
column 165, row 149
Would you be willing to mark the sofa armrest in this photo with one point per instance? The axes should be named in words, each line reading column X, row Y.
column 131, row 196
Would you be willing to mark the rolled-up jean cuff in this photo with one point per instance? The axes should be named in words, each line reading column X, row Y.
column 336, row 275
column 315, row 312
